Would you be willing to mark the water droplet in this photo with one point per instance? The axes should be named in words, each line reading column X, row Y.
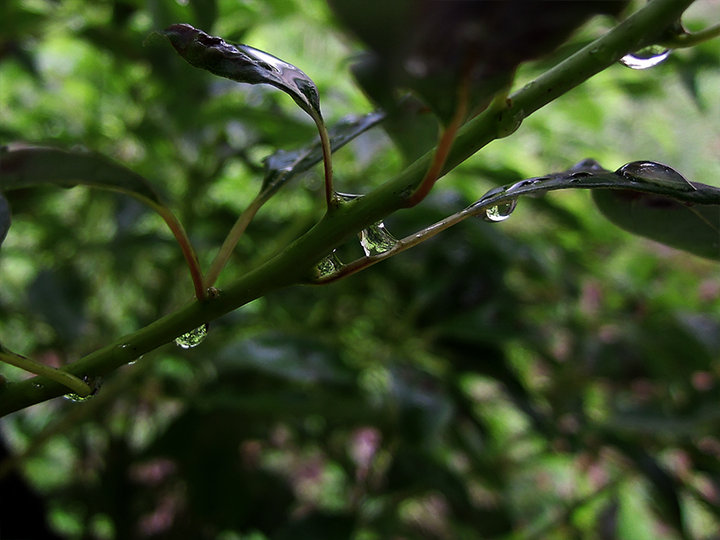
column 376, row 239
column 658, row 174
column 587, row 164
column 645, row 58
column 193, row 338
column 500, row 212
column 525, row 183
column 329, row 265
column 93, row 382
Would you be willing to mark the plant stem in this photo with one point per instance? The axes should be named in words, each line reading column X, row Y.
column 327, row 160
column 187, row 249
column 296, row 262
column 233, row 237
column 690, row 39
column 61, row 377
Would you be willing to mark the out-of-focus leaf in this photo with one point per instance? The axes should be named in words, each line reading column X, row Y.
column 33, row 166
column 664, row 491
column 430, row 46
column 685, row 226
column 205, row 12
column 58, row 296
column 4, row 218
column 283, row 165
column 245, row 64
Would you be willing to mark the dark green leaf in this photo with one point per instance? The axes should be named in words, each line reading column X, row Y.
column 646, row 198
column 33, row 166
column 245, row 64
column 284, row 165
column 430, row 46
column 58, row 295
column 690, row 227
column 4, row 218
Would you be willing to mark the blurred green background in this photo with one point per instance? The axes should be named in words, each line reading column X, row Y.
column 547, row 377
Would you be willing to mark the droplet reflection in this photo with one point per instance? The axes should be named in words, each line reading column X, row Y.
column 500, row 211
column 193, row 338
column 376, row 239
column 645, row 58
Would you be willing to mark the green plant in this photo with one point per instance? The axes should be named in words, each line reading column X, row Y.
column 470, row 101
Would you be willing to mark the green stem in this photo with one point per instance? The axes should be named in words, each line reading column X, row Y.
column 233, row 237
column 295, row 263
column 327, row 160
column 188, row 251
column 691, row 39
column 65, row 379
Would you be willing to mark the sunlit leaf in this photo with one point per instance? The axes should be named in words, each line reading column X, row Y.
column 4, row 218
column 245, row 64
column 284, row 165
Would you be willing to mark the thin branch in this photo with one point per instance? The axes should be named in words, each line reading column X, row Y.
column 295, row 263
column 65, row 379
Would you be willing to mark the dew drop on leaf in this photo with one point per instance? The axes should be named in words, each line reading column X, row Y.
column 651, row 172
column 645, row 58
column 193, row 338
column 329, row 265
column 376, row 239
column 500, row 212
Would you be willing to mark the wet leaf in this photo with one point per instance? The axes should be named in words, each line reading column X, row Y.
column 283, row 165
column 643, row 197
column 4, row 218
column 690, row 227
column 34, row 166
column 244, row 64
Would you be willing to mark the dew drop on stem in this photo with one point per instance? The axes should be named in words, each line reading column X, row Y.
column 329, row 265
column 193, row 338
column 93, row 382
column 645, row 58
column 376, row 239
column 500, row 212
column 651, row 172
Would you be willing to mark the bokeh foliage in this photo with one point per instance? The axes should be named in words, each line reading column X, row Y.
column 547, row 377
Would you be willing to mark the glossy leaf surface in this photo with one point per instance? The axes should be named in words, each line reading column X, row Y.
column 4, row 218
column 245, row 64
column 283, row 165
column 33, row 166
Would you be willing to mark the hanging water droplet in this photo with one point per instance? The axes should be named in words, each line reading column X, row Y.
column 342, row 198
column 77, row 398
column 526, row 183
column 645, row 58
column 193, row 338
column 329, row 265
column 658, row 174
column 376, row 239
column 500, row 211
column 93, row 382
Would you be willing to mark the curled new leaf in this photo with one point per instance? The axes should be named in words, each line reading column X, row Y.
column 4, row 217
column 245, row 64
